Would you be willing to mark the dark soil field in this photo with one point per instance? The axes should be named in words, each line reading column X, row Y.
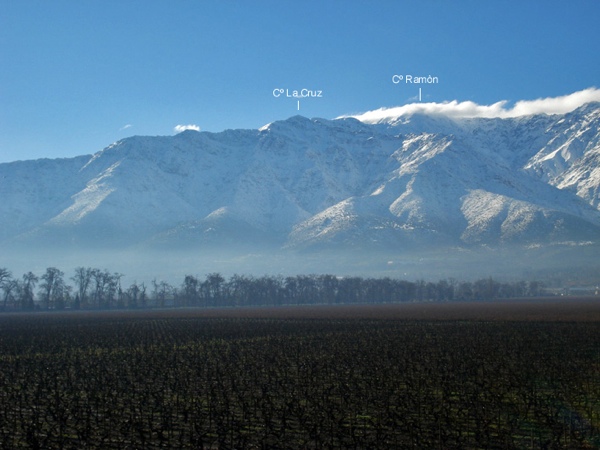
column 512, row 374
column 553, row 309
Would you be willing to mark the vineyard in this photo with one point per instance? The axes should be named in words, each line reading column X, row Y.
column 186, row 380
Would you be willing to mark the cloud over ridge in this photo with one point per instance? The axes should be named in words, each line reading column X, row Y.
column 180, row 128
column 469, row 109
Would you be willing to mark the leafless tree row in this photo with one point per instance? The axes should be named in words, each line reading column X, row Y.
column 93, row 288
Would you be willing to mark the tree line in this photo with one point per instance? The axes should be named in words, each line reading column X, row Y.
column 93, row 288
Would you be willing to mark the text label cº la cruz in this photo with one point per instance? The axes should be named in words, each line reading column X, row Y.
column 302, row 93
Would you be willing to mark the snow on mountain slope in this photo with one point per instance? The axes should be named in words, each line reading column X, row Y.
column 32, row 192
column 449, row 189
column 494, row 218
column 410, row 181
column 570, row 158
column 583, row 177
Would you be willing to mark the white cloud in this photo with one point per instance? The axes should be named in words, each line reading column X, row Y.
column 125, row 127
column 180, row 128
column 556, row 105
column 455, row 109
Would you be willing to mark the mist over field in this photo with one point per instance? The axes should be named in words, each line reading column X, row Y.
column 425, row 191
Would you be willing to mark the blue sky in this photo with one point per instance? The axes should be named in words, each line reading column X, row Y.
column 76, row 76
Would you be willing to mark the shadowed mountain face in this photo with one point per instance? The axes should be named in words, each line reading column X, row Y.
column 415, row 183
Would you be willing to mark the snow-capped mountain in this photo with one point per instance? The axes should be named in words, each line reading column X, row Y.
column 409, row 182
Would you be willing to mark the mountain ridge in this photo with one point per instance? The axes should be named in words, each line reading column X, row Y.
column 313, row 184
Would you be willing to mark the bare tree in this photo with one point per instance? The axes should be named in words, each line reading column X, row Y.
column 5, row 282
column 107, row 287
column 190, row 290
column 143, row 296
column 11, row 293
column 52, row 288
column 29, row 282
column 83, row 278
column 212, row 288
column 4, row 275
column 113, row 288
column 160, row 292
column 133, row 293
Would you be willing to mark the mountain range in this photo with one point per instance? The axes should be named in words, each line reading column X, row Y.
column 409, row 185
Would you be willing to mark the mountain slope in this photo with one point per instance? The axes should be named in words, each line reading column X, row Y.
column 570, row 159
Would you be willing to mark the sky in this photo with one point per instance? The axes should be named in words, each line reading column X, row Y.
column 76, row 76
